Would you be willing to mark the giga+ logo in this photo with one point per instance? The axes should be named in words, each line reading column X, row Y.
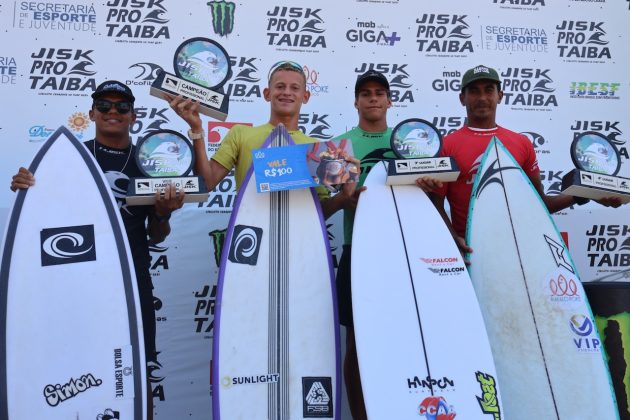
column 67, row 245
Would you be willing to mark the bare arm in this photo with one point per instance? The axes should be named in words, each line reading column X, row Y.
column 559, row 202
column 166, row 202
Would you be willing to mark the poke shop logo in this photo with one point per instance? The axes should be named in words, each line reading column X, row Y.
column 400, row 86
column 371, row 33
column 315, row 125
column 443, row 35
column 314, row 83
column 137, row 21
column 529, row 89
column 608, row 247
column 8, row 70
column 317, row 397
column 582, row 41
column 245, row 85
column 222, row 13
column 297, row 29
column 62, row 71
column 54, row 16
column 585, row 337
column 448, row 125
column 67, row 245
column 520, row 4
column 56, row 394
column 436, row 408
column 610, row 129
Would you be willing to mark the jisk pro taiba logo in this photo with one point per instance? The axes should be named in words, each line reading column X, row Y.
column 296, row 27
column 582, row 41
column 62, row 69
column 444, row 34
column 528, row 88
column 137, row 19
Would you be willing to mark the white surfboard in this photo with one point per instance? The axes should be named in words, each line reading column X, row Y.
column 70, row 323
column 421, row 341
column 545, row 344
column 276, row 347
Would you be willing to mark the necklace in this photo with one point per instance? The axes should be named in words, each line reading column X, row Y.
column 126, row 161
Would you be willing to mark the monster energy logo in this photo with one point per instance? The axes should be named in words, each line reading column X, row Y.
column 615, row 331
column 218, row 237
column 222, row 17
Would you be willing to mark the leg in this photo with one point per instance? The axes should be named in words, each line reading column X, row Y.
column 353, row 378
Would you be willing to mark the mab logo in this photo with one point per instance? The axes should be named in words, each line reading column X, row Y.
column 62, row 69
column 295, row 27
column 67, row 245
column 137, row 19
column 443, row 33
column 528, row 87
column 583, row 40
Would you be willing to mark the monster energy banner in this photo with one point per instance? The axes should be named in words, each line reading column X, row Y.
column 222, row 16
column 610, row 302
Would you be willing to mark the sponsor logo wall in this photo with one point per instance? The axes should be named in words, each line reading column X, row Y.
column 564, row 64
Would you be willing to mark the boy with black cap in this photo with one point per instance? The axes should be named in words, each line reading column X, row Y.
column 113, row 114
column 481, row 94
column 370, row 144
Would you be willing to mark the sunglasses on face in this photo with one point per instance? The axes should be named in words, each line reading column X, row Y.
column 285, row 65
column 103, row 105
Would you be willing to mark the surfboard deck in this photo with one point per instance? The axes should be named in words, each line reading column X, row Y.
column 70, row 319
column 276, row 347
column 421, row 341
column 547, row 351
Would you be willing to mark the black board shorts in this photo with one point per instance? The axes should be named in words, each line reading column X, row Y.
column 344, row 291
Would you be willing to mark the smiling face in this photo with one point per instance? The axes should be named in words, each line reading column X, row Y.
column 481, row 98
column 372, row 102
column 286, row 93
column 112, row 124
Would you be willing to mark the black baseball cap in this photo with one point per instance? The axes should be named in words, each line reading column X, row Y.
column 370, row 75
column 478, row 73
column 113, row 86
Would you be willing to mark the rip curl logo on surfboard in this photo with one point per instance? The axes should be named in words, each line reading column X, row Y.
column 67, row 245
column 245, row 244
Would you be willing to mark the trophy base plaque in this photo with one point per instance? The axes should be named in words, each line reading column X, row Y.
column 406, row 171
column 141, row 191
column 211, row 103
column 595, row 186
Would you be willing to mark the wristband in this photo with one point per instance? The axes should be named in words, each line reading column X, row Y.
column 196, row 136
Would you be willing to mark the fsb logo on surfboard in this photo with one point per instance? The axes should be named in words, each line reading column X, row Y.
column 67, row 245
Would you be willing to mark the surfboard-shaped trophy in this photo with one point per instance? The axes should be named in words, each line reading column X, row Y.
column 202, row 66
column 417, row 143
column 597, row 163
column 166, row 158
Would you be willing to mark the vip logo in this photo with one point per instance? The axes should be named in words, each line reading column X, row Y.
column 594, row 90
column 434, row 408
column 137, row 19
column 399, row 81
column 608, row 246
column 56, row 394
column 369, row 33
column 317, row 397
column 583, row 40
column 62, row 69
column 244, row 86
column 295, row 27
column 315, row 125
column 528, row 87
column 8, row 70
column 583, row 327
column 67, row 245
column 109, row 414
column 489, row 401
column 443, row 33
column 222, row 16
column 245, row 244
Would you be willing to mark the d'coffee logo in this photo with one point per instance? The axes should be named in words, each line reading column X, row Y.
column 222, row 17
column 8, row 70
column 528, row 89
column 608, row 246
column 610, row 129
column 315, row 125
column 137, row 21
column 317, row 397
column 55, row 16
column 400, row 84
column 443, row 35
column 245, row 244
column 582, row 41
column 244, row 86
column 514, row 39
column 369, row 33
column 59, row 70
column 146, row 73
column 56, row 394
column 298, row 28
column 67, row 245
